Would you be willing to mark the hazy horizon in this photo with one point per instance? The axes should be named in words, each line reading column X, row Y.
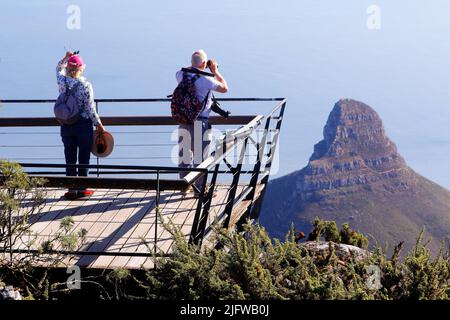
column 311, row 52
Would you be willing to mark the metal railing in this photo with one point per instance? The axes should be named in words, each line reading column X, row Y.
column 217, row 166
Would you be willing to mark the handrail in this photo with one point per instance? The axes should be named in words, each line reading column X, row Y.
column 135, row 100
column 161, row 169
column 249, row 127
column 192, row 176
column 117, row 183
column 119, row 121
column 111, row 183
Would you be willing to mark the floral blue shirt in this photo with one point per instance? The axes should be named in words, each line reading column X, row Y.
column 84, row 93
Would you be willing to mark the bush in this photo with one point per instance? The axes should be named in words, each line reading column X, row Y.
column 22, row 197
column 329, row 231
column 249, row 265
column 252, row 266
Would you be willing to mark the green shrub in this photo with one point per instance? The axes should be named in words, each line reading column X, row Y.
column 329, row 231
column 253, row 266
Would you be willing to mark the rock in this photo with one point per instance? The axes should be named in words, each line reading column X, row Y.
column 8, row 293
column 343, row 251
column 355, row 151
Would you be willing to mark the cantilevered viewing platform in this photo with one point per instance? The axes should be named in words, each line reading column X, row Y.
column 121, row 220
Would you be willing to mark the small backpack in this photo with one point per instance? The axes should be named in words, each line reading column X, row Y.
column 185, row 105
column 67, row 108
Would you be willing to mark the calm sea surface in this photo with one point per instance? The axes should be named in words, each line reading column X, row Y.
column 312, row 52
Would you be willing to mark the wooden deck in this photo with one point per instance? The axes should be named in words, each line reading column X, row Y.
column 122, row 221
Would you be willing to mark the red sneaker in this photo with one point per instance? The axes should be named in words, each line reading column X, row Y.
column 70, row 195
column 85, row 193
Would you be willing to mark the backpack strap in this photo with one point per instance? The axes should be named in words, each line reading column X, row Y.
column 205, row 102
column 70, row 91
column 193, row 79
column 207, row 99
column 76, row 86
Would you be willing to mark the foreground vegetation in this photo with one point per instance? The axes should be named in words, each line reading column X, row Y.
column 253, row 266
column 249, row 265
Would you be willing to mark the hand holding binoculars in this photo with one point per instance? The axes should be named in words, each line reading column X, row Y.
column 212, row 64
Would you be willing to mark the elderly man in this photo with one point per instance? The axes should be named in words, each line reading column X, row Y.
column 195, row 139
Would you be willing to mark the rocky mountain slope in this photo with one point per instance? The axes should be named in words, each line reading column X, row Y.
column 356, row 175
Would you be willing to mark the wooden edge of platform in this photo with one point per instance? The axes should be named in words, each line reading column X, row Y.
column 111, row 183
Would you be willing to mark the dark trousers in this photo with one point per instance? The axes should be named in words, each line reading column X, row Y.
column 77, row 139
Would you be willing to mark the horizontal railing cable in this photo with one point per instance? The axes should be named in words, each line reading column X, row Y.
column 139, row 100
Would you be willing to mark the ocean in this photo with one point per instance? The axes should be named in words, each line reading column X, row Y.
column 311, row 52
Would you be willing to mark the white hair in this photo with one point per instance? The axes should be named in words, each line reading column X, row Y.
column 198, row 58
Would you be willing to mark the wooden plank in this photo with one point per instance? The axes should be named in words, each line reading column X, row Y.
column 112, row 183
column 141, row 229
column 188, row 215
column 114, row 204
column 103, row 261
column 54, row 223
column 111, row 232
column 130, row 246
column 218, row 203
column 51, row 208
column 136, row 216
column 117, row 219
column 92, row 207
column 173, row 204
column 166, row 209
column 126, row 211
column 148, row 264
column 237, row 213
column 100, row 244
column 137, row 262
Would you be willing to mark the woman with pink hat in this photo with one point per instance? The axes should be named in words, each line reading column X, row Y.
column 77, row 138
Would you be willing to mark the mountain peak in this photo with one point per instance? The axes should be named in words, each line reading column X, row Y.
column 354, row 151
column 354, row 129
column 356, row 175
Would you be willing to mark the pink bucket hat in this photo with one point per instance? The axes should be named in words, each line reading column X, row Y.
column 76, row 61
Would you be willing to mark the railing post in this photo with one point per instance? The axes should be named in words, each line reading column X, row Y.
column 98, row 160
column 234, row 185
column 200, row 232
column 256, row 208
column 274, row 141
column 10, row 219
column 256, row 169
column 260, row 155
column 195, row 226
column 155, row 247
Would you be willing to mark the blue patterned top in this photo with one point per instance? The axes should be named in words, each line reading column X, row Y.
column 84, row 93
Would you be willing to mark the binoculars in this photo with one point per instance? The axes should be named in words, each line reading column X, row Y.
column 208, row 64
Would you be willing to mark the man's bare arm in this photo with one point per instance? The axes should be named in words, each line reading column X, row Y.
column 223, row 87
